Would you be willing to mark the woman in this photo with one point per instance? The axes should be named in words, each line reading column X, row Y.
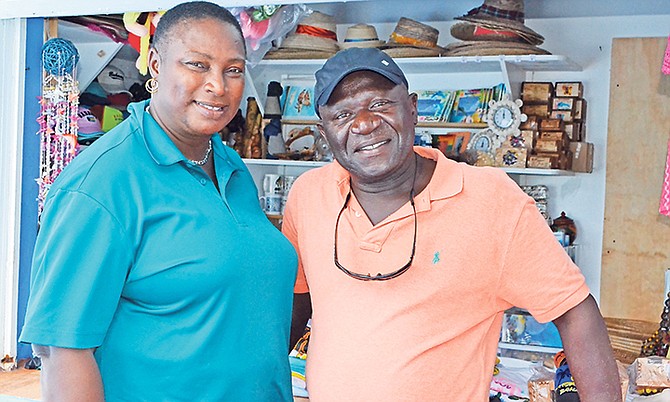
column 156, row 275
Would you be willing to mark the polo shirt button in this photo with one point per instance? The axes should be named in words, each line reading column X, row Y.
column 203, row 181
column 358, row 214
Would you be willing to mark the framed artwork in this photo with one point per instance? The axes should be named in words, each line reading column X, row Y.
column 433, row 105
column 452, row 143
column 298, row 101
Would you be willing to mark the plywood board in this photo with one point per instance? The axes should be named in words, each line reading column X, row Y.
column 636, row 238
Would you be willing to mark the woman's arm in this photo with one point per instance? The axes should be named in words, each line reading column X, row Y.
column 69, row 375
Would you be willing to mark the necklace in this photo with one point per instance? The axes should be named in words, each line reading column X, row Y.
column 206, row 158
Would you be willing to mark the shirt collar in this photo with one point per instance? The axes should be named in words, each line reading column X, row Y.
column 159, row 145
column 447, row 180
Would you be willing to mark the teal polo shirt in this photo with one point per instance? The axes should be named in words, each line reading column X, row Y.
column 186, row 291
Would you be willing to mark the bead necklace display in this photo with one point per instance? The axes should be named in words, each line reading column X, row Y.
column 657, row 344
column 59, row 105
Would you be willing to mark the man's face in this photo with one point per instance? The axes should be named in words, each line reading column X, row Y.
column 369, row 125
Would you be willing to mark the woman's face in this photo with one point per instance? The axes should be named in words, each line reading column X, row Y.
column 200, row 74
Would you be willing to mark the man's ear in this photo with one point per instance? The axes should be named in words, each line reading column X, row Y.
column 322, row 132
column 414, row 99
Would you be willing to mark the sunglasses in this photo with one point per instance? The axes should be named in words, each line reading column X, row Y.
column 379, row 276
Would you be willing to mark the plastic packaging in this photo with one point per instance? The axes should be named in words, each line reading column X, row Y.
column 264, row 24
column 566, row 390
column 541, row 385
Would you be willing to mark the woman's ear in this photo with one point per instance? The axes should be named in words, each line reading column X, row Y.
column 153, row 62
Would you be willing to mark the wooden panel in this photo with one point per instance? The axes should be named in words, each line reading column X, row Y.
column 636, row 238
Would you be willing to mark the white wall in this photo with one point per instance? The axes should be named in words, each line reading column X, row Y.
column 588, row 41
column 12, row 39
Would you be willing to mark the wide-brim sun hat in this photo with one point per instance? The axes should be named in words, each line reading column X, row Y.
column 315, row 36
column 491, row 48
column 413, row 39
column 497, row 15
column 361, row 35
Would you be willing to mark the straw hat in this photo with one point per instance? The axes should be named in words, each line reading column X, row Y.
column 314, row 37
column 491, row 48
column 361, row 35
column 413, row 39
column 504, row 17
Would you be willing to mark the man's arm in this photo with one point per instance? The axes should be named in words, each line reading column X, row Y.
column 302, row 310
column 69, row 375
column 589, row 353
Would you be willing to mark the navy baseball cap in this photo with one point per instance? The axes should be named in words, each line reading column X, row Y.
column 349, row 60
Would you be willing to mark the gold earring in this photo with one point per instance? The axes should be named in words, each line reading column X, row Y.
column 151, row 85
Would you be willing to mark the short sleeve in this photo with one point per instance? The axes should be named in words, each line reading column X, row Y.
column 289, row 230
column 81, row 259
column 538, row 275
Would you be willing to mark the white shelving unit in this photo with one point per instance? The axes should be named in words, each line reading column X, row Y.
column 312, row 164
column 508, row 69
column 421, row 72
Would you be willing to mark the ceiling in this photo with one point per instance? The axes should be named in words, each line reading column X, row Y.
column 379, row 11
column 352, row 11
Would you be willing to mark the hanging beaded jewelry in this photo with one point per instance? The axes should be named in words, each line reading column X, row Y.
column 59, row 105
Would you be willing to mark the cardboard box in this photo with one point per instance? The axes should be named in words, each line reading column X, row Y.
column 543, row 145
column 541, row 110
column 580, row 109
column 553, row 135
column 525, row 139
column 574, row 131
column 565, row 115
column 532, row 123
column 552, row 125
column 550, row 160
column 653, row 371
column 573, row 89
column 511, row 157
column 582, row 156
column 536, row 92
column 563, row 103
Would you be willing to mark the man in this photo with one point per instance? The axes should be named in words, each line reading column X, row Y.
column 411, row 259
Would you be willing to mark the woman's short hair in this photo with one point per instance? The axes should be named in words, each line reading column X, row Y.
column 195, row 10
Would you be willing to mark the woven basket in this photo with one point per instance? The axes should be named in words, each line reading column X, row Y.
column 627, row 335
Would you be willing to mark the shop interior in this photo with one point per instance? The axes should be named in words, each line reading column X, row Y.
column 604, row 204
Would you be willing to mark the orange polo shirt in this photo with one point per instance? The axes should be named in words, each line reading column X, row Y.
column 432, row 333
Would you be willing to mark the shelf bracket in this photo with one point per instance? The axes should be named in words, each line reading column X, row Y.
column 513, row 76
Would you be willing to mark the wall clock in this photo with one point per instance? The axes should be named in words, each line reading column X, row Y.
column 484, row 143
column 504, row 116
